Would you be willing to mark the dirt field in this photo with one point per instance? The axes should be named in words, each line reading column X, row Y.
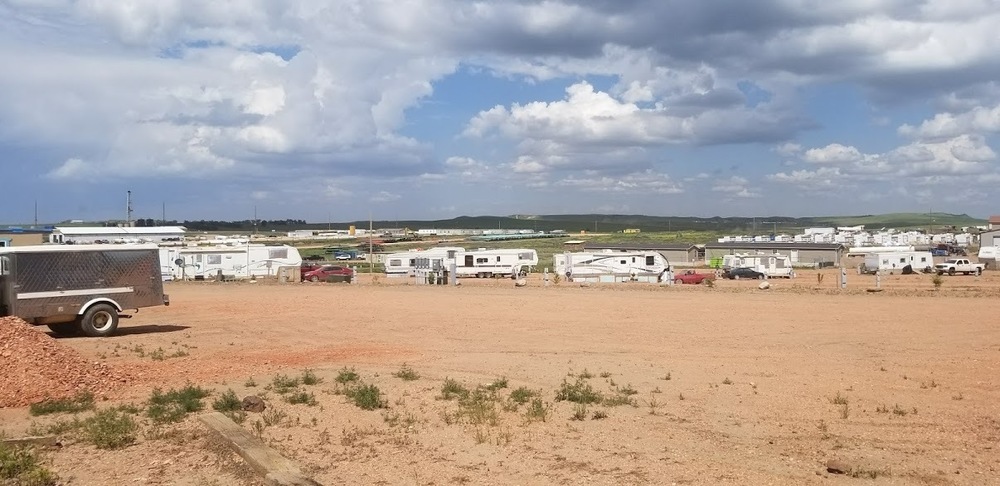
column 732, row 385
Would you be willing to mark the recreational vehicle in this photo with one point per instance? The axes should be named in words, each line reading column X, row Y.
column 773, row 266
column 896, row 261
column 79, row 288
column 611, row 266
column 404, row 264
column 483, row 263
column 238, row 262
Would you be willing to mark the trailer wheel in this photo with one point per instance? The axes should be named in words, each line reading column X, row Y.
column 100, row 320
column 65, row 328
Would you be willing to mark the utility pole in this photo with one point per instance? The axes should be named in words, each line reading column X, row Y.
column 36, row 214
column 163, row 214
column 371, row 257
column 128, row 208
column 255, row 220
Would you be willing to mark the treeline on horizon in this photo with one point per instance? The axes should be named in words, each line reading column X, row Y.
column 600, row 223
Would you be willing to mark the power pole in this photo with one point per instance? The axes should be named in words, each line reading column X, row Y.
column 163, row 215
column 128, row 208
column 255, row 220
column 371, row 257
column 36, row 214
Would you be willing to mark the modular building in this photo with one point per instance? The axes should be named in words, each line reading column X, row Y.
column 676, row 254
column 23, row 236
column 815, row 255
column 116, row 234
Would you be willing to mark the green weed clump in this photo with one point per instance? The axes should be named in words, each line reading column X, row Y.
column 21, row 465
column 522, row 394
column 406, row 373
column 453, row 389
column 110, row 429
column 366, row 397
column 174, row 405
column 228, row 402
column 75, row 404
column 579, row 391
column 347, row 375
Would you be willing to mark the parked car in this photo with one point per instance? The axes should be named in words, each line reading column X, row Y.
column 342, row 256
column 692, row 277
column 314, row 258
column 326, row 271
column 959, row 265
column 738, row 273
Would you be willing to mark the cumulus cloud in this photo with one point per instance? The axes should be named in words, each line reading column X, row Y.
column 287, row 89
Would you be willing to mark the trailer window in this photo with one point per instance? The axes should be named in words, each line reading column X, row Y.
column 650, row 260
column 276, row 253
column 482, row 260
column 902, row 260
column 395, row 263
column 524, row 256
column 624, row 262
column 4, row 265
column 213, row 259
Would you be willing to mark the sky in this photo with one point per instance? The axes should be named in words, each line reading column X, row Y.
column 430, row 109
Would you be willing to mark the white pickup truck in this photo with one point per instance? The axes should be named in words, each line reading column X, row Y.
column 959, row 265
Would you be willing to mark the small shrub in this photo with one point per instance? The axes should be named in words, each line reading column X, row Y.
column 366, row 397
column 863, row 472
column 301, row 397
column 819, row 279
column 680, row 396
column 310, row 378
column 537, row 411
column 522, row 394
column 228, row 402
column 479, row 407
column 250, row 383
column 618, row 399
column 839, row 399
column 727, row 381
column 158, row 355
column 605, row 374
column 406, row 373
column 282, row 384
column 578, row 392
column 845, row 411
column 709, row 282
column 21, row 465
column 882, row 409
column 579, row 412
column 599, row 415
column 627, row 390
column 937, row 281
column 498, row 384
column 174, row 405
column 453, row 389
column 272, row 416
column 897, row 410
column 556, row 278
column 667, row 377
column 347, row 375
column 78, row 403
column 586, row 375
column 110, row 429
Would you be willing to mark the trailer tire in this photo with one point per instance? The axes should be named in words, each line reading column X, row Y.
column 65, row 328
column 100, row 320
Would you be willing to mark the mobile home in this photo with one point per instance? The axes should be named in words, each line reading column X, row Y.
column 771, row 265
column 240, row 262
column 404, row 264
column 611, row 266
column 483, row 263
column 895, row 261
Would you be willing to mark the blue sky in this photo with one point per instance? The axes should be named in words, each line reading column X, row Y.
column 430, row 109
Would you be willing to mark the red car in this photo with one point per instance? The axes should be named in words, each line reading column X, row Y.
column 692, row 277
column 322, row 273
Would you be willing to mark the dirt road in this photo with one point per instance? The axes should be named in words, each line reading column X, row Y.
column 732, row 385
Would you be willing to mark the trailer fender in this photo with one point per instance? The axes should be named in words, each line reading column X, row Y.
column 98, row 300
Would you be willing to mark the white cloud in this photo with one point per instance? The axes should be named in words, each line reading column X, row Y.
column 735, row 187
column 640, row 183
column 384, row 197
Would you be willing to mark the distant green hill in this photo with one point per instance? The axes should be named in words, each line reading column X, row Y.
column 905, row 220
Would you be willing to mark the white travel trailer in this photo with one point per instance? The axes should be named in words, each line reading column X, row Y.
column 894, row 262
column 989, row 255
column 611, row 266
column 404, row 264
column 773, row 266
column 200, row 262
column 483, row 263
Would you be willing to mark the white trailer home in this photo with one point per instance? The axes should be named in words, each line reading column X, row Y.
column 483, row 263
column 611, row 266
column 774, row 266
column 240, row 262
column 403, row 264
column 894, row 262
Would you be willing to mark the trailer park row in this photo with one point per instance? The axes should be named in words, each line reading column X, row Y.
column 183, row 257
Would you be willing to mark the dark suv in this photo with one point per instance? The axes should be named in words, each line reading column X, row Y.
column 738, row 273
